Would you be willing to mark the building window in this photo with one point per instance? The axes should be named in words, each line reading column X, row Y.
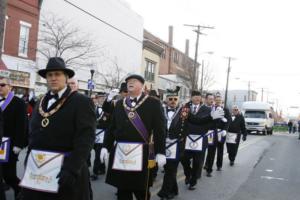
column 175, row 57
column 24, row 38
column 6, row 18
column 150, row 71
column 163, row 54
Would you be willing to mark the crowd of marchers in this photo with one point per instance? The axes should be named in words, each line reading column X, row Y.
column 134, row 134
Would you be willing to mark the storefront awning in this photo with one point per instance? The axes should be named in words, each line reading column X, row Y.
column 2, row 65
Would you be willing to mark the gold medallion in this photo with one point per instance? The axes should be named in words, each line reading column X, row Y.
column 131, row 115
column 45, row 122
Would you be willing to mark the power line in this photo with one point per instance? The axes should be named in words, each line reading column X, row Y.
column 104, row 22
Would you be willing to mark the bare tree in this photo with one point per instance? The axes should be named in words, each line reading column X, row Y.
column 112, row 75
column 59, row 37
column 3, row 4
column 187, row 76
column 208, row 77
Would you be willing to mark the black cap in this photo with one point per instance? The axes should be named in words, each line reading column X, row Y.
column 101, row 94
column 56, row 64
column 123, row 87
column 196, row 93
column 136, row 76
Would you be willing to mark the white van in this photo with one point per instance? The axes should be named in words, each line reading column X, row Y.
column 258, row 117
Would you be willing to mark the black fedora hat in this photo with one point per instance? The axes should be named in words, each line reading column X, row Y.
column 56, row 64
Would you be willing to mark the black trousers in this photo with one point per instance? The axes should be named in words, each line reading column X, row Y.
column 210, row 158
column 98, row 166
column 9, row 170
column 232, row 150
column 128, row 195
column 220, row 152
column 170, row 185
column 191, row 172
column 2, row 192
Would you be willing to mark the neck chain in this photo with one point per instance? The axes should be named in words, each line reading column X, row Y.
column 45, row 121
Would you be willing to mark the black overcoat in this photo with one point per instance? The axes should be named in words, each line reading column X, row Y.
column 14, row 122
column 122, row 130
column 238, row 126
column 71, row 130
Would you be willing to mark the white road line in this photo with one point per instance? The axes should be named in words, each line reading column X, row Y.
column 273, row 178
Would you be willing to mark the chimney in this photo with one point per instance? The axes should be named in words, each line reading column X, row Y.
column 171, row 35
column 187, row 47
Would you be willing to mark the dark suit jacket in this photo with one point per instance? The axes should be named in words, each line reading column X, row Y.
column 14, row 122
column 238, row 126
column 71, row 130
column 121, row 129
column 201, row 122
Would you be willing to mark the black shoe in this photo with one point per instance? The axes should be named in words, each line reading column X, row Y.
column 187, row 180
column 94, row 177
column 208, row 175
column 192, row 187
column 5, row 187
column 231, row 163
column 165, row 196
column 205, row 167
column 219, row 169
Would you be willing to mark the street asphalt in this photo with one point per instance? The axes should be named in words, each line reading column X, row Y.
column 267, row 168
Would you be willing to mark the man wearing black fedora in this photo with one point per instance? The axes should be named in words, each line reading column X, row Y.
column 61, row 138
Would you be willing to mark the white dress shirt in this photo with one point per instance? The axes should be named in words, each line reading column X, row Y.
column 53, row 100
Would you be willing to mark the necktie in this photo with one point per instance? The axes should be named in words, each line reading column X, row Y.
column 53, row 96
column 171, row 109
column 133, row 100
column 195, row 109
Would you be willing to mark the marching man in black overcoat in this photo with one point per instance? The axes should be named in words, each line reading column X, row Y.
column 61, row 138
column 14, row 127
column 136, row 120
column 176, row 120
column 200, row 121
column 237, row 128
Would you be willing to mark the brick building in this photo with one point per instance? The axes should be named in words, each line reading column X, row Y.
column 20, row 42
column 175, row 67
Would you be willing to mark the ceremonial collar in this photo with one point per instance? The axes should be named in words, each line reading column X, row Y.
column 127, row 104
column 7, row 101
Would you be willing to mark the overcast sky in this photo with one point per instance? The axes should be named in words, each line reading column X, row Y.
column 263, row 36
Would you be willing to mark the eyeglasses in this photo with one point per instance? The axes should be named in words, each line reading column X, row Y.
column 171, row 99
column 3, row 84
column 235, row 109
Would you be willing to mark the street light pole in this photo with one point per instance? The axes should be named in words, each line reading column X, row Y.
column 92, row 75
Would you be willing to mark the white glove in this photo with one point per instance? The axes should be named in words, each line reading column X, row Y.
column 224, row 120
column 217, row 114
column 103, row 155
column 17, row 150
column 112, row 94
column 224, row 133
column 161, row 160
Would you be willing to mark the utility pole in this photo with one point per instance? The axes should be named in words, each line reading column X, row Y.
column 262, row 94
column 202, row 68
column 227, row 81
column 198, row 31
